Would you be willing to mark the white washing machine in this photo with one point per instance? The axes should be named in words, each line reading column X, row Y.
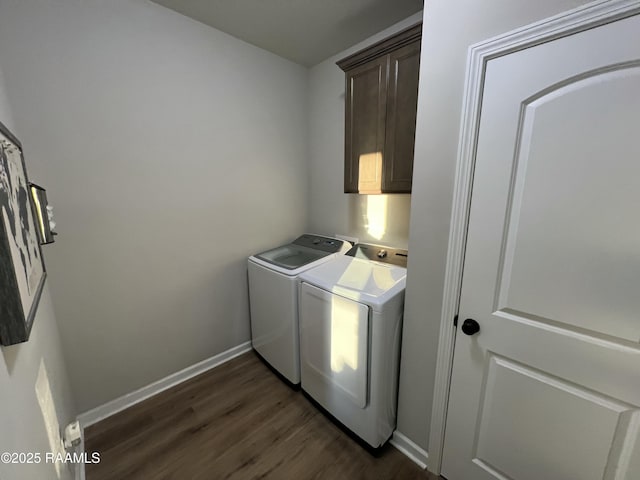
column 273, row 298
column 350, row 325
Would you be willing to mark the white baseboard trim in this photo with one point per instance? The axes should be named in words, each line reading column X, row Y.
column 410, row 449
column 114, row 406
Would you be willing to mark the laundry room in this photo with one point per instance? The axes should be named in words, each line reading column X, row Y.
column 262, row 214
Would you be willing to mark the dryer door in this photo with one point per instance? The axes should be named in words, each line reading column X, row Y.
column 334, row 344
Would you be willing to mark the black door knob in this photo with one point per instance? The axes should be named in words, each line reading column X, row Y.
column 470, row 327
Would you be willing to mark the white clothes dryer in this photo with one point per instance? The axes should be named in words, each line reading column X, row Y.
column 350, row 326
column 273, row 298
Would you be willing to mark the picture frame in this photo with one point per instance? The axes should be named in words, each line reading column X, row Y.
column 43, row 213
column 22, row 269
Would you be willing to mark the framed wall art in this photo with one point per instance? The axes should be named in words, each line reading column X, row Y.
column 43, row 212
column 22, row 270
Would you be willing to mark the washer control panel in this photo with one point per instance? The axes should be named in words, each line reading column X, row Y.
column 326, row 244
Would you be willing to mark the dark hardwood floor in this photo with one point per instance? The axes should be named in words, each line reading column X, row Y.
column 237, row 421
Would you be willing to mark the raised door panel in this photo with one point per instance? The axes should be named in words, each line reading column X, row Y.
column 366, row 105
column 569, row 239
column 402, row 103
column 533, row 425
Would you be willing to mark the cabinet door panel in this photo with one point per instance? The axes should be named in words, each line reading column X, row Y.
column 366, row 105
column 404, row 66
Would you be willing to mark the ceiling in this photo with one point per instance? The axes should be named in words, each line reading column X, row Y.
column 304, row 31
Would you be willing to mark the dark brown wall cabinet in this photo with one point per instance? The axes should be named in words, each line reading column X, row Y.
column 380, row 114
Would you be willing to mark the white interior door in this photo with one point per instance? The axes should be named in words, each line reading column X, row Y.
column 549, row 388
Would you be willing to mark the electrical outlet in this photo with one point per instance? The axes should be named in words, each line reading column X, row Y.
column 72, row 434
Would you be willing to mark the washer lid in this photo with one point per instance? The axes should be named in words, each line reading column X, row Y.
column 292, row 256
column 365, row 281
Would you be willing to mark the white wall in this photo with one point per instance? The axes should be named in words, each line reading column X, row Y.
column 449, row 28
column 330, row 209
column 35, row 397
column 171, row 151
